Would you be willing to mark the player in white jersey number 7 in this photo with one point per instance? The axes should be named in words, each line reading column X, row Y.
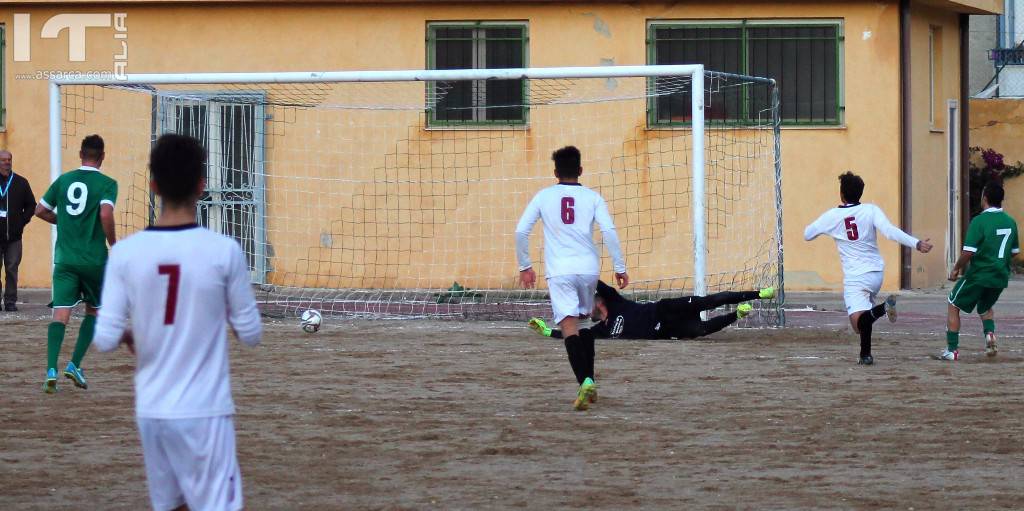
column 180, row 285
column 571, row 263
column 853, row 225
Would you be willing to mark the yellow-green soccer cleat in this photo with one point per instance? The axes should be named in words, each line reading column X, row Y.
column 584, row 395
column 743, row 310
column 767, row 293
column 50, row 385
column 538, row 325
column 76, row 375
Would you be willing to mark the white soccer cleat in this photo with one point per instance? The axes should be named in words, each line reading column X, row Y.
column 950, row 355
column 990, row 344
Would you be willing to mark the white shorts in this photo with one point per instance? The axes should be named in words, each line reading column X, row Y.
column 859, row 291
column 572, row 295
column 191, row 461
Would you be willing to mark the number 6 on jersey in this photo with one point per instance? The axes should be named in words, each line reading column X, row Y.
column 568, row 213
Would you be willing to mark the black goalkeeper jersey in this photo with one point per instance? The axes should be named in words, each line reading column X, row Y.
column 627, row 319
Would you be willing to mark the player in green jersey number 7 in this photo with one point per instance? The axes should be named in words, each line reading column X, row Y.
column 81, row 204
column 990, row 244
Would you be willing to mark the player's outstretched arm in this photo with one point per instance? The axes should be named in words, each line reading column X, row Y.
column 817, row 227
column 243, row 315
column 896, row 234
column 112, row 323
column 611, row 242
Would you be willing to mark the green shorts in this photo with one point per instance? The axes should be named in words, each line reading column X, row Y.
column 76, row 284
column 967, row 295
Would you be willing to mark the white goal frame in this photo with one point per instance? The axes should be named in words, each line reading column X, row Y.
column 694, row 71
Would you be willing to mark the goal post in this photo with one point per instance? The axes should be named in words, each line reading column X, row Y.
column 363, row 193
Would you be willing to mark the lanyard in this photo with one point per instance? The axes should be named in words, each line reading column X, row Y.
column 3, row 191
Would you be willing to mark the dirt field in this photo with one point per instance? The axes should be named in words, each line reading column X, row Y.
column 446, row 415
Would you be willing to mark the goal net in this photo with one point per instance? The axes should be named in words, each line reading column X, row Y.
column 396, row 194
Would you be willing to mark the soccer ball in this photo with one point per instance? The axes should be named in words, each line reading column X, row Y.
column 311, row 320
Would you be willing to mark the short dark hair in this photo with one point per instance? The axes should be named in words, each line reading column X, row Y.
column 994, row 194
column 567, row 162
column 92, row 147
column 177, row 164
column 851, row 186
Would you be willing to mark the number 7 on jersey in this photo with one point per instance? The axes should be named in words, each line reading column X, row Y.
column 173, row 272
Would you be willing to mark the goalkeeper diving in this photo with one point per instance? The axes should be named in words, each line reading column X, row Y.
column 669, row 318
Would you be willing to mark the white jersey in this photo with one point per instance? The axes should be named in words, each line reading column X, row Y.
column 568, row 212
column 179, row 286
column 854, row 227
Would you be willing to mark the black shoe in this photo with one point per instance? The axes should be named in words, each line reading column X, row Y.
column 867, row 360
column 11, row 307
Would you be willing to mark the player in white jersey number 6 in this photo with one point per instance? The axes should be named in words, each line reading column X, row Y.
column 179, row 284
column 853, row 225
column 571, row 262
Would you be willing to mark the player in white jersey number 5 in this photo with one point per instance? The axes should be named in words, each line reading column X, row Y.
column 179, row 284
column 571, row 261
column 854, row 226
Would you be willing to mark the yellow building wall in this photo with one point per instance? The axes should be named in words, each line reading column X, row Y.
column 929, row 146
column 226, row 38
column 999, row 124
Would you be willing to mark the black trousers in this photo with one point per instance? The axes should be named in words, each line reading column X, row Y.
column 680, row 317
column 10, row 254
column 694, row 305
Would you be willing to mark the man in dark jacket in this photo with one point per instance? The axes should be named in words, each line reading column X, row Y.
column 668, row 318
column 17, row 205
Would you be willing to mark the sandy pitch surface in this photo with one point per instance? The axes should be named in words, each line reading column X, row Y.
column 474, row 415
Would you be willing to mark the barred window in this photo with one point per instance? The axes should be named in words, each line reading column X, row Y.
column 477, row 45
column 803, row 57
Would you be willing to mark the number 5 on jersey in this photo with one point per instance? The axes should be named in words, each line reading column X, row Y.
column 851, row 228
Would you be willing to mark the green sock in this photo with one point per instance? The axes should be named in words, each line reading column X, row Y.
column 85, row 334
column 952, row 340
column 988, row 325
column 54, row 338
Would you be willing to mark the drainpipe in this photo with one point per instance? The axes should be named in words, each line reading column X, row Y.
column 906, row 134
column 965, row 126
column 1011, row 23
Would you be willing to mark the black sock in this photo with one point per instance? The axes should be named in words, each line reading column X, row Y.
column 587, row 341
column 876, row 312
column 577, row 358
column 864, row 325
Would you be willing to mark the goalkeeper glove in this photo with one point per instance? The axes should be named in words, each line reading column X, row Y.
column 538, row 325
